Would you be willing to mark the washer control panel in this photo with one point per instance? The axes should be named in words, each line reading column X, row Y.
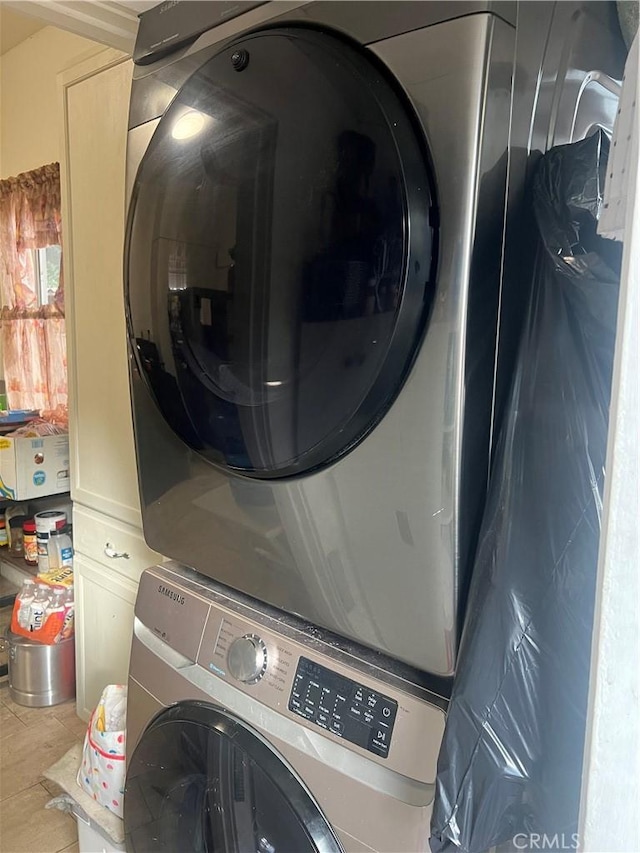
column 343, row 707
column 287, row 671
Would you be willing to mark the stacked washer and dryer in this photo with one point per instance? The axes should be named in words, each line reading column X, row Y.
column 323, row 227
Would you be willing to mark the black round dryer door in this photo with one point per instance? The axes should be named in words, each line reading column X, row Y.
column 280, row 252
column 200, row 781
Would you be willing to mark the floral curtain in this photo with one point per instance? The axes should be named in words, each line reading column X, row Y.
column 33, row 336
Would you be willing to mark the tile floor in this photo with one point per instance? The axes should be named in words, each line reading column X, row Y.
column 31, row 740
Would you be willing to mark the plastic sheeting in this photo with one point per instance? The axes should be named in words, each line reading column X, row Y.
column 510, row 764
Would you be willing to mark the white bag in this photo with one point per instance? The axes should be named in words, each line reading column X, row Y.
column 102, row 772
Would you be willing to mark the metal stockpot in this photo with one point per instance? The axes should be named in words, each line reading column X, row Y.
column 40, row 675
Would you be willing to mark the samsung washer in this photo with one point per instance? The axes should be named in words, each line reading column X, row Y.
column 249, row 733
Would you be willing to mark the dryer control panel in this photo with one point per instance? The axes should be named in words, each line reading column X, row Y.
column 344, row 707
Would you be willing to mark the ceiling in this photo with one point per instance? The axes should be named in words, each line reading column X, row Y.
column 111, row 22
column 15, row 28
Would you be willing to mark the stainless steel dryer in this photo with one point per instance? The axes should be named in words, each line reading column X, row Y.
column 246, row 733
column 314, row 259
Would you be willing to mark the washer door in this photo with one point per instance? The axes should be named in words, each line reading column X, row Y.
column 280, row 253
column 200, row 780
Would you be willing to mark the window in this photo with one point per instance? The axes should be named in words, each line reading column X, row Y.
column 33, row 325
column 46, row 266
column 39, row 274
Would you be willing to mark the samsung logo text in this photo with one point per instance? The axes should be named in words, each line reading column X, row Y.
column 172, row 594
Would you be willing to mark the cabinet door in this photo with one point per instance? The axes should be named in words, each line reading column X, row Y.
column 118, row 546
column 104, row 627
column 103, row 459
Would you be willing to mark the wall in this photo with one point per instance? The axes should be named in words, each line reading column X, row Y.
column 611, row 775
column 29, row 100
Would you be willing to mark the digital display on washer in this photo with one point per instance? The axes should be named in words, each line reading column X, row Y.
column 343, row 707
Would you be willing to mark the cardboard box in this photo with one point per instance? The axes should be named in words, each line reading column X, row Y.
column 33, row 467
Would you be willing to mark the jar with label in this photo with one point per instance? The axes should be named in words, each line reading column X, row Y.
column 13, row 511
column 30, row 542
column 4, row 541
column 46, row 522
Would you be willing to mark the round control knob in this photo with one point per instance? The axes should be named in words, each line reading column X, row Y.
column 247, row 658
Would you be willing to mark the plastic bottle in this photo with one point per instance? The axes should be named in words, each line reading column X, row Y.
column 55, row 614
column 38, row 609
column 60, row 549
column 53, row 554
column 69, row 616
column 23, row 600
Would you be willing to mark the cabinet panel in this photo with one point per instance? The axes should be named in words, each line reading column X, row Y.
column 103, row 466
column 104, row 628
column 118, row 546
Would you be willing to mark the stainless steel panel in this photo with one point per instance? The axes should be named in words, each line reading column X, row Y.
column 584, row 50
column 166, row 26
column 176, row 618
column 364, row 21
column 154, row 86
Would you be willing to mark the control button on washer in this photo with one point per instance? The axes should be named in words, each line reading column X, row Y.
column 377, row 745
column 386, row 712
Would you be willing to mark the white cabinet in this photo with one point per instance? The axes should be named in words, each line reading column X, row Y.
column 110, row 549
column 109, row 559
column 104, row 473
column 104, row 625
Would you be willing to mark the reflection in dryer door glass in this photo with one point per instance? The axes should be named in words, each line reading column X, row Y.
column 193, row 787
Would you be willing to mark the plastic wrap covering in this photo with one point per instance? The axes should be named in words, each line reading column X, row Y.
column 510, row 764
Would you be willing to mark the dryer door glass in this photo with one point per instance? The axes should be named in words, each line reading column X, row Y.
column 280, row 252
column 200, row 781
